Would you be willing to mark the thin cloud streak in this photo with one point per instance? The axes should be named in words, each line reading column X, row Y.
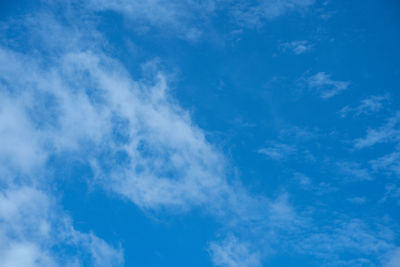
column 369, row 105
column 325, row 86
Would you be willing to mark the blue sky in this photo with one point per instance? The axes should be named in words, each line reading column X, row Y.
column 199, row 133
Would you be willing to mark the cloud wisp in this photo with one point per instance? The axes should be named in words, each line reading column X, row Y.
column 388, row 132
column 190, row 19
column 257, row 13
column 277, row 151
column 297, row 47
column 369, row 105
column 325, row 86
column 32, row 225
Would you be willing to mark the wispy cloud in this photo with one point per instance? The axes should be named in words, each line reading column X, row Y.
column 353, row 236
column 190, row 19
column 368, row 105
column 392, row 191
column 357, row 200
column 352, row 171
column 255, row 14
column 305, row 182
column 297, row 47
column 389, row 163
column 387, row 133
column 393, row 259
column 232, row 252
column 299, row 134
column 325, row 86
column 32, row 226
column 277, row 151
column 186, row 19
column 101, row 113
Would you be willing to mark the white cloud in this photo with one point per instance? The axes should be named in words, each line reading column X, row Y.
column 306, row 183
column 392, row 191
column 233, row 253
column 277, row 151
column 303, row 179
column 389, row 132
column 282, row 215
column 31, row 226
column 255, row 13
column 368, row 105
column 357, row 200
column 103, row 255
column 170, row 163
column 354, row 237
column 160, row 136
column 325, row 86
column 189, row 18
column 389, row 163
column 18, row 141
column 394, row 259
column 25, row 254
column 297, row 47
column 186, row 18
column 353, row 171
column 101, row 113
